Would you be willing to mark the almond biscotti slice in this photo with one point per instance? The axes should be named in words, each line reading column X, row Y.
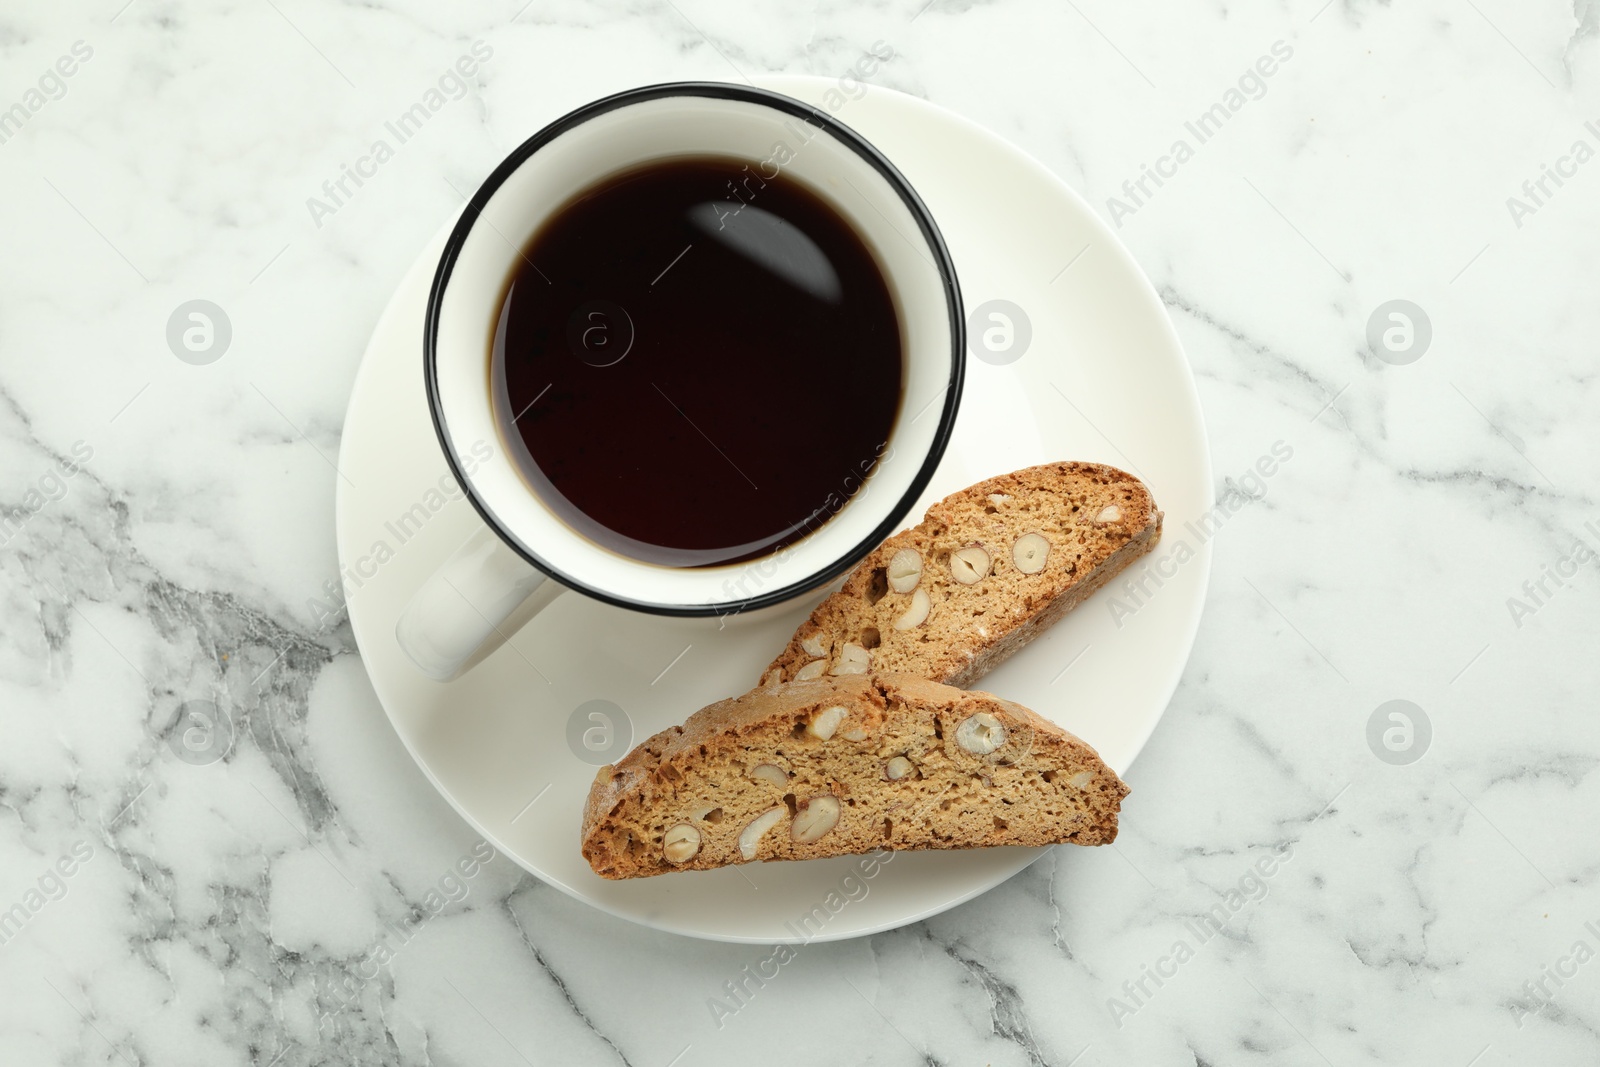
column 845, row 765
column 984, row 573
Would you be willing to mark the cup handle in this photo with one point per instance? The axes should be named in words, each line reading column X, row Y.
column 467, row 608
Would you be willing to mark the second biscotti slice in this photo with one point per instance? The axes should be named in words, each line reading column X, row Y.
column 985, row 572
column 846, row 765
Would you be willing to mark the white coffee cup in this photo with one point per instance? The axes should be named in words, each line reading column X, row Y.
column 525, row 555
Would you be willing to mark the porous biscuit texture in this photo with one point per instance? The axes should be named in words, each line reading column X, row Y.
column 986, row 571
column 846, row 764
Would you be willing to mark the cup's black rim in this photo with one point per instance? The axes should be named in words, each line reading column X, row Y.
column 722, row 91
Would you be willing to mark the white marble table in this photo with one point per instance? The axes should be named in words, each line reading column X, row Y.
column 293, row 904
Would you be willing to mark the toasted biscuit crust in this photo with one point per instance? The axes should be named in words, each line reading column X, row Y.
column 1039, row 785
column 971, row 629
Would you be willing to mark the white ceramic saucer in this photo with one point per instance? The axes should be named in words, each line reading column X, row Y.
column 1103, row 378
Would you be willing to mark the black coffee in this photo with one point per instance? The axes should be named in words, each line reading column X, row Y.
column 695, row 364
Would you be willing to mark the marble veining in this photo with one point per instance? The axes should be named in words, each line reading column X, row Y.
column 214, row 849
